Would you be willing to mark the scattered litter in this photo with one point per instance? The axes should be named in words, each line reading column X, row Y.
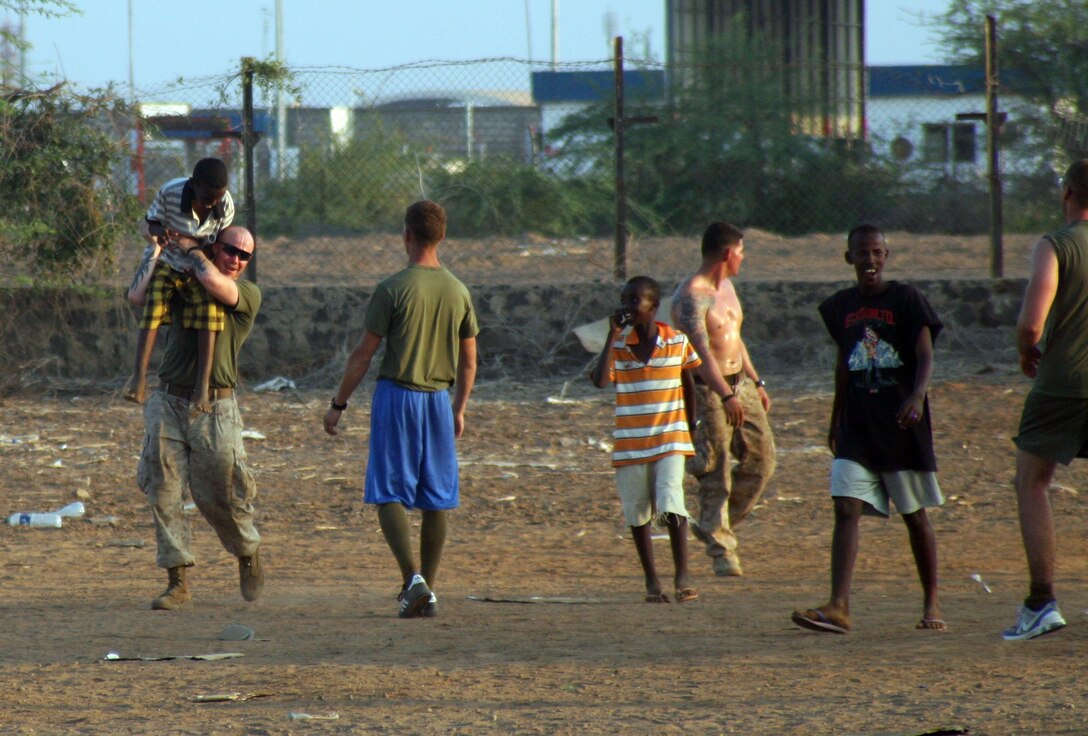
column 228, row 697
column 19, row 439
column 308, row 717
column 279, row 383
column 508, row 475
column 602, row 445
column 532, row 599
column 72, row 510
column 1066, row 489
column 57, row 464
column 252, row 434
column 116, row 657
column 508, row 464
column 978, row 579
column 105, row 520
column 137, row 543
column 236, row 632
column 189, row 508
column 506, row 499
column 52, row 520
column 791, row 499
column 581, row 534
column 807, row 450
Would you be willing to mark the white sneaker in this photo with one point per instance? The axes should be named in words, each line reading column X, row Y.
column 1030, row 624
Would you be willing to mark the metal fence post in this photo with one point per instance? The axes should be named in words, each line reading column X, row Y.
column 619, row 266
column 993, row 132
column 248, row 144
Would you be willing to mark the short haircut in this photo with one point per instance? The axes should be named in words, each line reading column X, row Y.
column 864, row 231
column 1076, row 178
column 426, row 220
column 211, row 172
column 647, row 284
column 719, row 237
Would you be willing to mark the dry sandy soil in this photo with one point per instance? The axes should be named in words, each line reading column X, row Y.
column 565, row 645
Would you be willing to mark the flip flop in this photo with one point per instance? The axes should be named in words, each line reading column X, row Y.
column 683, row 595
column 659, row 598
column 932, row 624
column 815, row 620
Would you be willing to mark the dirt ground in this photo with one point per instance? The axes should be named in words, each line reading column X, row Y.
column 563, row 644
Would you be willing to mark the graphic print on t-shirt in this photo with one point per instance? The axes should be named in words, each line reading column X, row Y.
column 869, row 356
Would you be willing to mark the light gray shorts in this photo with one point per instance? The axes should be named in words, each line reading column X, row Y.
column 909, row 490
column 661, row 480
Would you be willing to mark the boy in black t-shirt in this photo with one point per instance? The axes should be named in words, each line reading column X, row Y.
column 880, row 431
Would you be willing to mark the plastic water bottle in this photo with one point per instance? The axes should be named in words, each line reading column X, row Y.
column 73, row 510
column 43, row 520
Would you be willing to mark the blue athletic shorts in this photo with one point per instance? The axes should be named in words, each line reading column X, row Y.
column 413, row 456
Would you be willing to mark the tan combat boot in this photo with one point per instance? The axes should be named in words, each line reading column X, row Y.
column 177, row 592
column 251, row 576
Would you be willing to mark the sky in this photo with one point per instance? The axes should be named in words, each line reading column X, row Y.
column 202, row 38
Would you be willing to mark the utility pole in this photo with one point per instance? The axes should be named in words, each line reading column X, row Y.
column 281, row 109
column 555, row 35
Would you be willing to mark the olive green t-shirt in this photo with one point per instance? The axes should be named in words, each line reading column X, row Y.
column 179, row 358
column 1063, row 369
column 422, row 313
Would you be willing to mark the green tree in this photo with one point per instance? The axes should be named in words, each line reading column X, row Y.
column 1042, row 50
column 62, row 158
column 358, row 186
column 731, row 142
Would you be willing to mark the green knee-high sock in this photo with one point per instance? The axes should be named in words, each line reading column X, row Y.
column 432, row 539
column 393, row 520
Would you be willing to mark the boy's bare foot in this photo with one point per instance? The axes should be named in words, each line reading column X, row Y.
column 825, row 619
column 932, row 624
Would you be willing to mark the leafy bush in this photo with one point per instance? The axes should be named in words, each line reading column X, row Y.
column 61, row 155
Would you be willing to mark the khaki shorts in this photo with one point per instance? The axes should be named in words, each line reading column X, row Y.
column 910, row 490
column 1054, row 428
column 661, row 480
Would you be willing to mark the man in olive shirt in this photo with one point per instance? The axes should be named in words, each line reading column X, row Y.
column 1052, row 340
column 202, row 450
column 425, row 317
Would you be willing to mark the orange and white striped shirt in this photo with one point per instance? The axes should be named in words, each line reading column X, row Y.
column 650, row 419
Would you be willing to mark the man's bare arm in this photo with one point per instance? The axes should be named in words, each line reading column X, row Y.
column 749, row 369
column 466, row 379
column 1038, row 298
column 137, row 290
column 219, row 286
column 689, row 313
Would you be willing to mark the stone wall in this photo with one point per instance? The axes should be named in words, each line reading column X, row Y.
column 306, row 331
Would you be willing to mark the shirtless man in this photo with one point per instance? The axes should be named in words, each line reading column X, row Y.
column 733, row 423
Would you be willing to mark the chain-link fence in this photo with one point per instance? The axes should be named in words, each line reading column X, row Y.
column 522, row 156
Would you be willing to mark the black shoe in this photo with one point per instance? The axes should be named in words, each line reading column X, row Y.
column 431, row 609
column 414, row 597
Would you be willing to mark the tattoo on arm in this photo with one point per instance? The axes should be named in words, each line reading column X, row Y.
column 691, row 316
column 141, row 270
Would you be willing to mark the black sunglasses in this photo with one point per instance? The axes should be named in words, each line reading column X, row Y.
column 232, row 250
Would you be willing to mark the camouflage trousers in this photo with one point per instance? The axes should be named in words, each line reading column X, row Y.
column 732, row 465
column 204, row 452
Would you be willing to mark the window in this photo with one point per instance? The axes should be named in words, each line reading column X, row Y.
column 944, row 142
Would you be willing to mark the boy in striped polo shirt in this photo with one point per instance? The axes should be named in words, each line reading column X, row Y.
column 187, row 213
column 655, row 406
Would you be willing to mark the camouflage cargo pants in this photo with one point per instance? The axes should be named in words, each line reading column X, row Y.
column 732, row 465
column 205, row 453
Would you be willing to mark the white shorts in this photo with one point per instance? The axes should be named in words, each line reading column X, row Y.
column 910, row 490
column 662, row 480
